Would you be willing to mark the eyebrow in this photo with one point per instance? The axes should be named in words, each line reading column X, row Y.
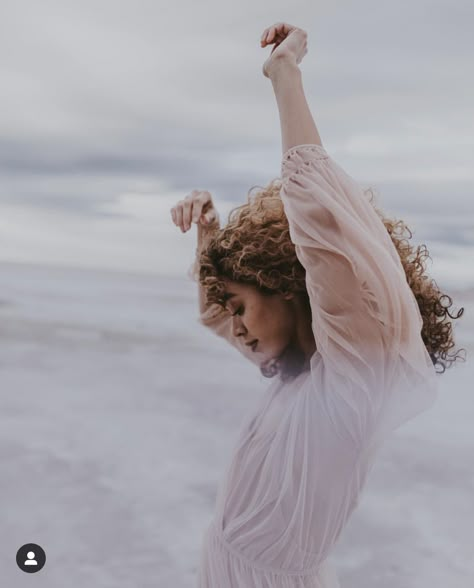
column 229, row 295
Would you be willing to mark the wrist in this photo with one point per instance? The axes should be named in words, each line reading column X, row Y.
column 206, row 231
column 282, row 65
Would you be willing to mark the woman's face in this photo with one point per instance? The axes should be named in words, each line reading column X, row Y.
column 271, row 320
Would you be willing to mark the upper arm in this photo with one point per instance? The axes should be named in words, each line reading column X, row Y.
column 356, row 280
column 365, row 319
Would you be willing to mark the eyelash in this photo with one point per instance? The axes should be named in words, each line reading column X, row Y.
column 238, row 310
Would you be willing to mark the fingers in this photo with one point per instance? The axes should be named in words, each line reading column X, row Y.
column 187, row 207
column 177, row 215
column 189, row 210
column 183, row 211
column 198, row 205
column 276, row 33
column 268, row 35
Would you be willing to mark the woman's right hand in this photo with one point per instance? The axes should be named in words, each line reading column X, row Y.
column 197, row 207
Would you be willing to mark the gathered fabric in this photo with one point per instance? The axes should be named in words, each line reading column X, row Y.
column 303, row 454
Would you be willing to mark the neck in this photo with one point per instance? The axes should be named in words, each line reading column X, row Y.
column 304, row 333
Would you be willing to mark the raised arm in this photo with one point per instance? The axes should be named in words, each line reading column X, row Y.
column 372, row 363
column 296, row 121
column 192, row 209
column 203, row 235
column 213, row 316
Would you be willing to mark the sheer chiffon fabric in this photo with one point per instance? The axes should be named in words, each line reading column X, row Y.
column 302, row 456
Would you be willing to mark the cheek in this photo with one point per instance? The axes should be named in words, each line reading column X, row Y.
column 272, row 322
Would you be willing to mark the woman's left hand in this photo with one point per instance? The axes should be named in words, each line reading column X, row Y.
column 290, row 42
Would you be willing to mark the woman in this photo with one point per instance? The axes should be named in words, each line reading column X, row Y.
column 309, row 283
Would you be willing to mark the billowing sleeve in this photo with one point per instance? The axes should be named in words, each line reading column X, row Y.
column 219, row 320
column 375, row 371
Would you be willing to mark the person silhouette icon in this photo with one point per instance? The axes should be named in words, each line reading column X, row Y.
column 30, row 558
column 30, row 561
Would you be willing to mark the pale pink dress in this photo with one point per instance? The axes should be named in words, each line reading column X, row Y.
column 301, row 460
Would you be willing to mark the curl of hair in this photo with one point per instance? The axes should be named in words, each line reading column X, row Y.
column 255, row 248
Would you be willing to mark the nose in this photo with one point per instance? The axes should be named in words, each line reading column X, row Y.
column 238, row 327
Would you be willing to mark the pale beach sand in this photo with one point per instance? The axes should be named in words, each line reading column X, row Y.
column 115, row 431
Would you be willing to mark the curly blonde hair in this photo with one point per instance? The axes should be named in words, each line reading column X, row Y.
column 255, row 248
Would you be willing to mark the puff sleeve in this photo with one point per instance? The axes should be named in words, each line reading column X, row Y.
column 375, row 370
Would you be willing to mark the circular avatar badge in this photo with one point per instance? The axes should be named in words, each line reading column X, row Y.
column 30, row 558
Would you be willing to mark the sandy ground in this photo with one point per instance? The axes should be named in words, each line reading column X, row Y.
column 115, row 428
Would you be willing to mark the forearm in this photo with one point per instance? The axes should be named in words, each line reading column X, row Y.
column 203, row 235
column 296, row 121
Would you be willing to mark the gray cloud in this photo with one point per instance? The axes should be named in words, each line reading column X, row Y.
column 105, row 98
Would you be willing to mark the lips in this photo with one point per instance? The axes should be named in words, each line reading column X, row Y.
column 253, row 344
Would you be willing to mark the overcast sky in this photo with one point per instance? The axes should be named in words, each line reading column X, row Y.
column 112, row 111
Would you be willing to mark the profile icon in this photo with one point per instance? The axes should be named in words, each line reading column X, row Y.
column 30, row 561
column 30, row 558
